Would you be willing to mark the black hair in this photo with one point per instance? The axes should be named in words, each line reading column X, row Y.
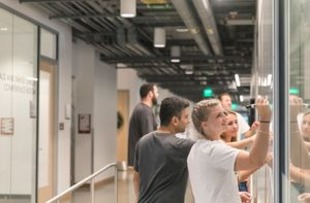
column 145, row 89
column 170, row 107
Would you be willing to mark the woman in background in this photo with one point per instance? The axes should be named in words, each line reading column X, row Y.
column 230, row 138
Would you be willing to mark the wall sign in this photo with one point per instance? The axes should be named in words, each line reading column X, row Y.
column 84, row 123
column 7, row 126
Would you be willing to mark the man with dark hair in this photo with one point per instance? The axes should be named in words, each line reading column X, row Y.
column 142, row 120
column 160, row 173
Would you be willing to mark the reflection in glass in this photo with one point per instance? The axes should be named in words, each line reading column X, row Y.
column 299, row 73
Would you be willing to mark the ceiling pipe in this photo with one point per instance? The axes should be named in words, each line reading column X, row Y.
column 205, row 13
column 187, row 15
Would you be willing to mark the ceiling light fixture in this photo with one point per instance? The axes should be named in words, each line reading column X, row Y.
column 189, row 69
column 128, row 8
column 159, row 37
column 237, row 80
column 175, row 53
column 241, row 98
column 181, row 29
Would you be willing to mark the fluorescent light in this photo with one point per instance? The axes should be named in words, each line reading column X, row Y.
column 4, row 29
column 159, row 37
column 175, row 60
column 189, row 72
column 175, row 53
column 182, row 30
column 269, row 79
column 241, row 98
column 237, row 80
column 128, row 8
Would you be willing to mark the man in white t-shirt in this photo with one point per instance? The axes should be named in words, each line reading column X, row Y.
column 244, row 128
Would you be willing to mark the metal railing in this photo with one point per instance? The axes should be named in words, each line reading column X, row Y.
column 92, row 188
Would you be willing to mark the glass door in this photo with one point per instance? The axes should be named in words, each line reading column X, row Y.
column 18, row 109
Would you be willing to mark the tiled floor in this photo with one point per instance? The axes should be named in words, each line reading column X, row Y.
column 105, row 193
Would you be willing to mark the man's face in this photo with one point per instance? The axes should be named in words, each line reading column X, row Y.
column 183, row 121
column 155, row 95
column 226, row 102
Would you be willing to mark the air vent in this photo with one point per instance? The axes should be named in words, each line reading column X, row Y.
column 154, row 1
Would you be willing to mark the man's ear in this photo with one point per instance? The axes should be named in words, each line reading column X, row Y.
column 150, row 93
column 174, row 120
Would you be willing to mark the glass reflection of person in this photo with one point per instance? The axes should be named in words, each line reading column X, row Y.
column 305, row 128
column 299, row 155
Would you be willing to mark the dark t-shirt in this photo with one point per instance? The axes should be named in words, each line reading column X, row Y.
column 160, row 159
column 142, row 121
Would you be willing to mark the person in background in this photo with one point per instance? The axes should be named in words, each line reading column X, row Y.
column 160, row 168
column 244, row 128
column 305, row 126
column 142, row 120
column 212, row 163
column 230, row 135
column 230, row 138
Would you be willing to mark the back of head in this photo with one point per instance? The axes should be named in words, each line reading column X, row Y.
column 202, row 111
column 145, row 89
column 170, row 107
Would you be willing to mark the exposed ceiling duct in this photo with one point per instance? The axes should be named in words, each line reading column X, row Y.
column 132, row 40
column 205, row 13
column 187, row 15
column 128, row 42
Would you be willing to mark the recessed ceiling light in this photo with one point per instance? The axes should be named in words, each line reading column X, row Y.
column 181, row 30
column 175, row 60
column 4, row 29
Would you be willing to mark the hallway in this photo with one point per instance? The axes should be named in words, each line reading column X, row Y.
column 104, row 192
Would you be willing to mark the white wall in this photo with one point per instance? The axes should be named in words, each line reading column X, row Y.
column 83, row 102
column 105, row 110
column 95, row 93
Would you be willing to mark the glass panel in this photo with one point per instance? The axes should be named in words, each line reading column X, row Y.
column 262, row 84
column 299, row 76
column 18, row 90
column 48, row 44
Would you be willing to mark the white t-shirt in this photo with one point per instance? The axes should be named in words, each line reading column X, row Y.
column 243, row 125
column 211, row 172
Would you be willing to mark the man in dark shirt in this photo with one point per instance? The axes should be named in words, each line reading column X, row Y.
column 142, row 120
column 160, row 174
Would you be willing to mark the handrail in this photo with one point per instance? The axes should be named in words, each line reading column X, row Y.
column 80, row 183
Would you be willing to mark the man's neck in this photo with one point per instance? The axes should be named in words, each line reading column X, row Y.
column 166, row 129
column 147, row 102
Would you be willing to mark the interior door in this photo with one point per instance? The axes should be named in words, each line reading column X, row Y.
column 122, row 133
column 46, row 132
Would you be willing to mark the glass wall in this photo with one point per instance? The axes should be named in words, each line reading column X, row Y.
column 18, row 109
column 262, row 85
column 298, row 61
